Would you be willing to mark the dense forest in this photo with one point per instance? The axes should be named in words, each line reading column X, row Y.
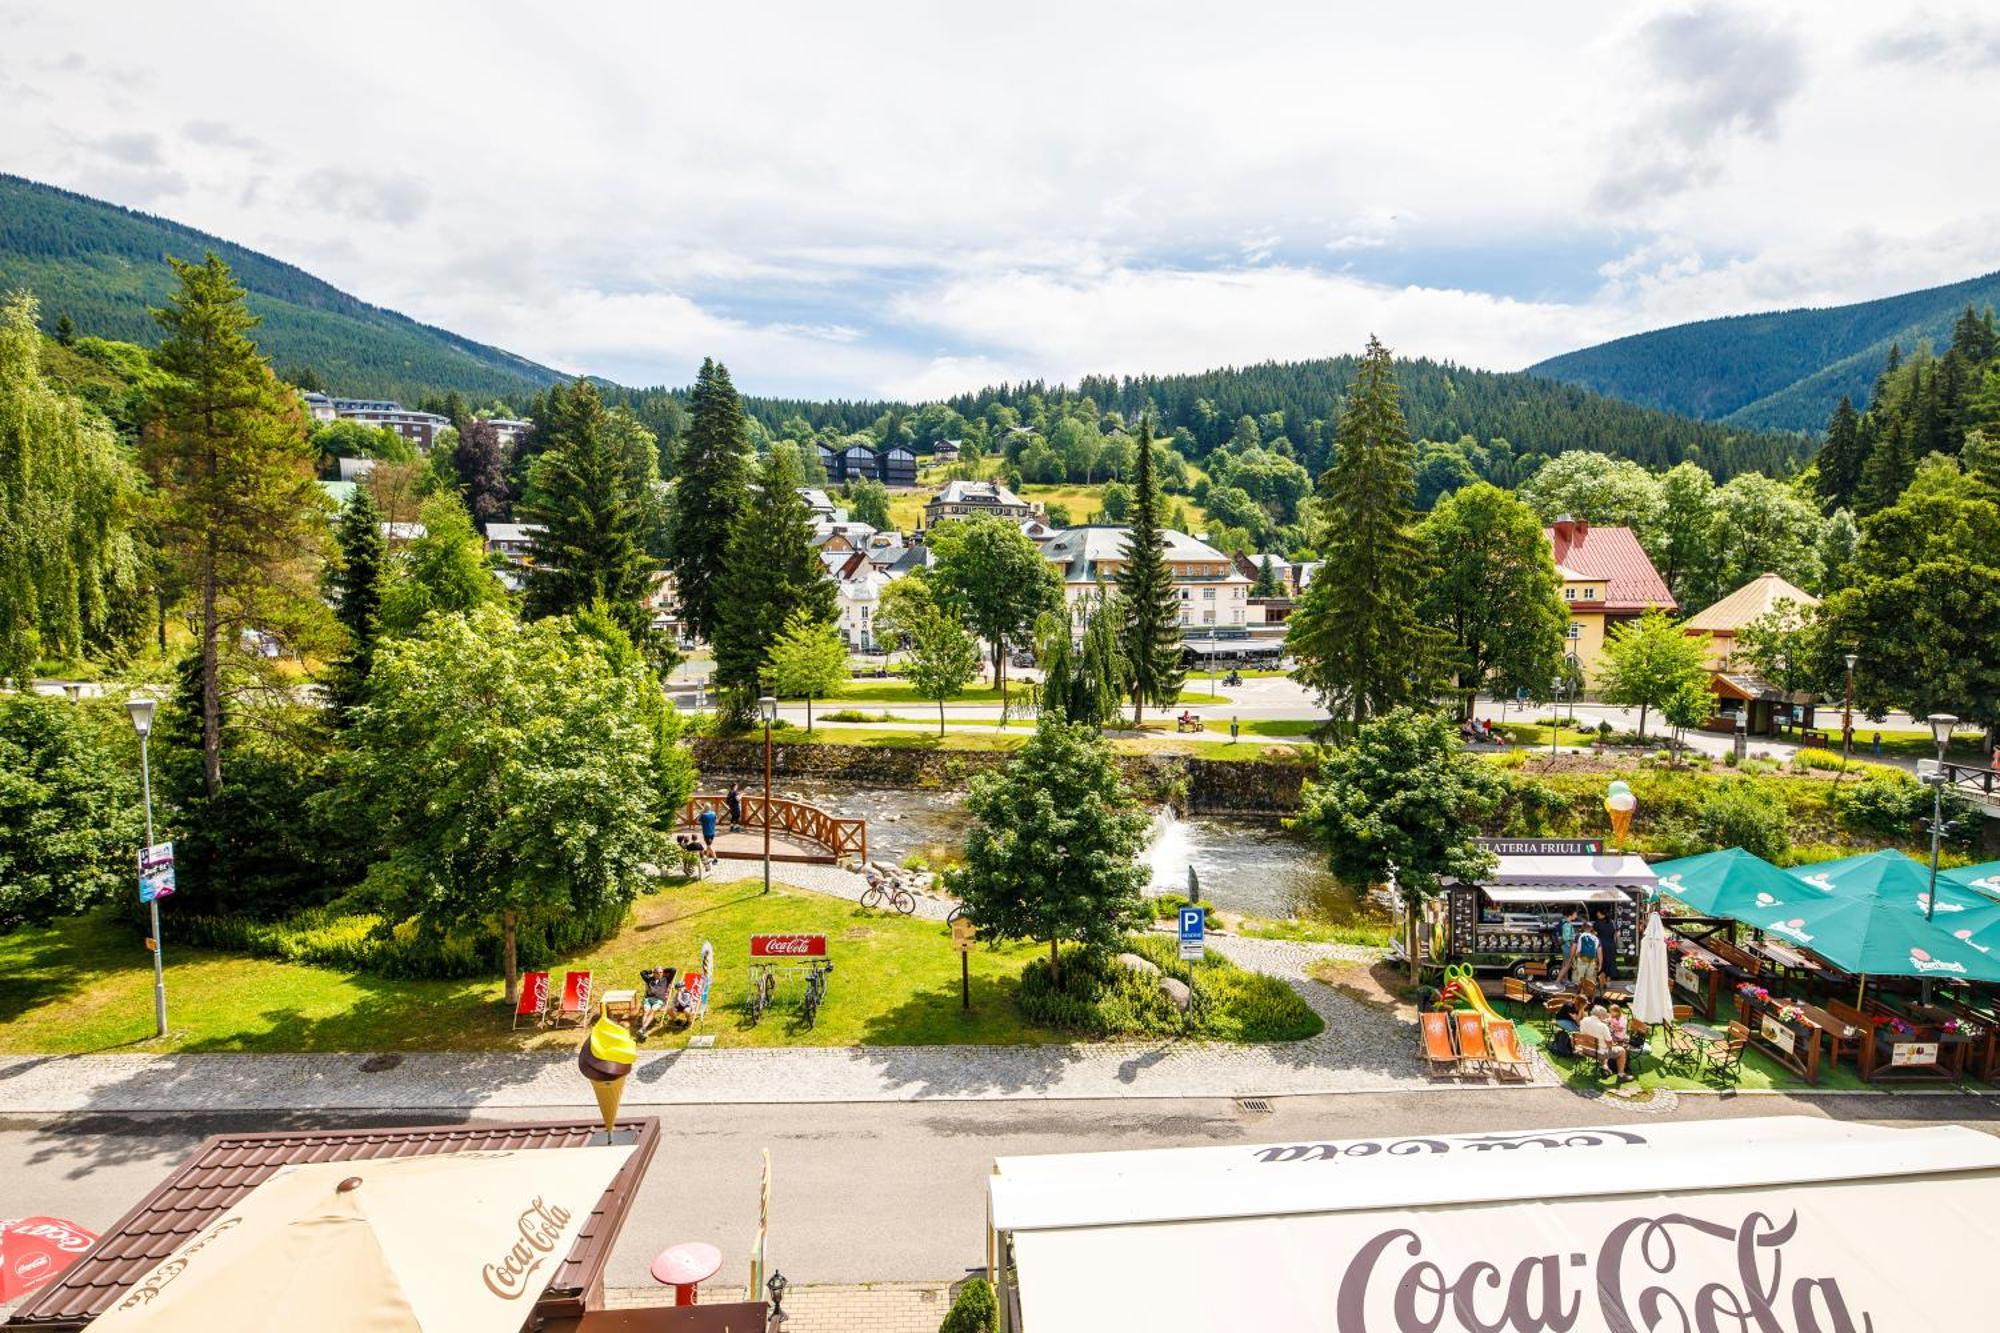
column 1781, row 370
column 103, row 266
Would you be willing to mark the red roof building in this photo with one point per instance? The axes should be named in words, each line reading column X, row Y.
column 1606, row 579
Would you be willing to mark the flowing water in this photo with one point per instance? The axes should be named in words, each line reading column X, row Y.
column 1242, row 864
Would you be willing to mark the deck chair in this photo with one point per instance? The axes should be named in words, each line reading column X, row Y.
column 575, row 998
column 1437, row 1047
column 1504, row 1042
column 534, row 998
column 1471, row 1033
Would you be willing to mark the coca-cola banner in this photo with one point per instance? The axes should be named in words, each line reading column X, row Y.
column 1807, row 1258
column 788, row 946
column 35, row 1251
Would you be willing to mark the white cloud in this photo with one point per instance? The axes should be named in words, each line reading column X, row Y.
column 876, row 197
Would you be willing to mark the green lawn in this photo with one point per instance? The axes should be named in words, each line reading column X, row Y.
column 86, row 986
column 1534, row 734
column 892, row 691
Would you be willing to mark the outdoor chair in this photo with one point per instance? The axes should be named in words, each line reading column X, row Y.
column 1590, row 1048
column 1470, row 1030
column 1435, row 1036
column 534, row 1001
column 1724, row 1059
column 1517, row 992
column 1683, row 1012
column 1682, row 1051
column 575, row 1005
column 1504, row 1044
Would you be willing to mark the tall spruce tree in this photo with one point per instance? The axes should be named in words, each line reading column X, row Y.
column 1356, row 634
column 591, row 548
column 711, row 489
column 1840, row 458
column 1151, row 605
column 230, row 455
column 1888, row 467
column 770, row 573
column 357, row 598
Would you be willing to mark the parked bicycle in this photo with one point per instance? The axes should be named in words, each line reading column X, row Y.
column 815, row 992
column 763, row 990
column 888, row 893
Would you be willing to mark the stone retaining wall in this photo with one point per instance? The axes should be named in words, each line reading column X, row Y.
column 1209, row 786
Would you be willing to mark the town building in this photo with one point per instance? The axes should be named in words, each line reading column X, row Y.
column 511, row 541
column 419, row 428
column 354, row 469
column 1287, row 573
column 824, row 510
column 858, row 589
column 1213, row 594
column 947, row 451
column 1734, row 681
column 1607, row 579
column 969, row 499
column 510, row 429
column 856, row 461
column 897, row 466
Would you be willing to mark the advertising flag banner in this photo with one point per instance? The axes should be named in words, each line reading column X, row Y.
column 35, row 1251
column 156, row 872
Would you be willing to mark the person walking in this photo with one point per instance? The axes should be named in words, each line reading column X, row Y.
column 734, row 800
column 708, row 834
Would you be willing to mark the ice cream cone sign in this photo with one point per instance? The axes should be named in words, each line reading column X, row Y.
column 605, row 1058
column 1620, row 803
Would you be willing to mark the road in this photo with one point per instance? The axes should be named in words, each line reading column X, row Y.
column 873, row 1193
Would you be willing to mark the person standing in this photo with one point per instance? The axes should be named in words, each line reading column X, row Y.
column 734, row 800
column 708, row 834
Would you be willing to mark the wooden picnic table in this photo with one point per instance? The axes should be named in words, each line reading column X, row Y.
column 1783, row 957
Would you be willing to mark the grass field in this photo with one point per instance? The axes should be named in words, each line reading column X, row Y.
column 917, row 737
column 893, row 691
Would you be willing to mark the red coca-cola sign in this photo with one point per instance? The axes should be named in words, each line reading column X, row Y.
column 788, row 946
column 34, row 1252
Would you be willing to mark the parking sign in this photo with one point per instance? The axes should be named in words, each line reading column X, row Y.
column 1194, row 925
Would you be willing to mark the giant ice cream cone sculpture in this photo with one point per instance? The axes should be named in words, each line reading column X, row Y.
column 606, row 1059
column 1620, row 803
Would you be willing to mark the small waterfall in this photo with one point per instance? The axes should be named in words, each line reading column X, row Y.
column 1169, row 853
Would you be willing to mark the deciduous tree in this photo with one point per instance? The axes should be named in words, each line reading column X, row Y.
column 1493, row 593
column 480, row 461
column 807, row 661
column 944, row 657
column 441, row 572
column 1649, row 660
column 70, row 817
column 993, row 575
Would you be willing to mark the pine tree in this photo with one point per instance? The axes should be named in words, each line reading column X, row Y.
column 711, row 490
column 356, row 585
column 1887, row 469
column 1266, row 583
column 1840, row 458
column 233, row 464
column 1150, row 603
column 480, row 462
column 770, row 571
column 65, row 329
column 1356, row 634
column 590, row 550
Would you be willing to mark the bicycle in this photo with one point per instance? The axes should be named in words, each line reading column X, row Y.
column 763, row 990
column 815, row 992
column 881, row 893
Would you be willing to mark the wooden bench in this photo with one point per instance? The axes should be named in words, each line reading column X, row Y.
column 1187, row 723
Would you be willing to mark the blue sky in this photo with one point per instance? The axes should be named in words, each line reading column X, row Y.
column 869, row 199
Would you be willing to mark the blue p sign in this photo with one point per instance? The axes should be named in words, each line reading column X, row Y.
column 1194, row 924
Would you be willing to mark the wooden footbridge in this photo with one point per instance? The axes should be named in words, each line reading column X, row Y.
column 799, row 832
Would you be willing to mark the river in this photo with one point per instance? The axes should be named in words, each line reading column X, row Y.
column 1242, row 864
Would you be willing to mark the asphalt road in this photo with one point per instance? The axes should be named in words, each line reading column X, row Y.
column 872, row 1193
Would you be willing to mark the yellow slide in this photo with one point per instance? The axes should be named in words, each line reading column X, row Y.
column 1463, row 988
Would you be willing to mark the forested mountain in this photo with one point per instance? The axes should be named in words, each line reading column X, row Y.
column 1783, row 370
column 103, row 266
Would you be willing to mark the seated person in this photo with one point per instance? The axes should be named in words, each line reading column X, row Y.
column 659, row 992
column 1611, row 1053
column 1620, row 1024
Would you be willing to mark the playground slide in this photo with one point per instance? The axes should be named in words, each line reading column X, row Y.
column 1462, row 988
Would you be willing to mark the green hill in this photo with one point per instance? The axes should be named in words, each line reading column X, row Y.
column 104, row 266
column 1783, row 370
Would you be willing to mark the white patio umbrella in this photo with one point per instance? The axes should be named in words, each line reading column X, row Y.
column 458, row 1241
column 1652, row 996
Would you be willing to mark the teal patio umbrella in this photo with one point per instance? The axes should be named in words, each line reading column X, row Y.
column 1873, row 936
column 1903, row 883
column 1718, row 883
column 1980, row 878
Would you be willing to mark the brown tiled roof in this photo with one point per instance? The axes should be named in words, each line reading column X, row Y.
column 227, row 1167
column 1615, row 556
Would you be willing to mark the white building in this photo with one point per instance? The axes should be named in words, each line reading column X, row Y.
column 1213, row 593
column 512, row 541
column 857, row 599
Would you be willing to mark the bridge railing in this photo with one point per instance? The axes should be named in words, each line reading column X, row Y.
column 795, row 819
column 1972, row 778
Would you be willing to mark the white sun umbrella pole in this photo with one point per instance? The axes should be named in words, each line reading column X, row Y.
column 1652, row 998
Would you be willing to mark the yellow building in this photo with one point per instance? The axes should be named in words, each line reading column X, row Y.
column 1606, row 579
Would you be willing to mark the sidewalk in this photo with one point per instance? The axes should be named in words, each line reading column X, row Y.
column 877, row 1307
column 1361, row 1050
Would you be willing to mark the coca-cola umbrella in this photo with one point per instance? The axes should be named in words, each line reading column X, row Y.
column 451, row 1241
column 34, row 1251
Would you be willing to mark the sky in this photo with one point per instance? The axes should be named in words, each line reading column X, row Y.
column 863, row 200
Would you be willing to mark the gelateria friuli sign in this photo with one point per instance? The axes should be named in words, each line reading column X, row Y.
column 1542, row 846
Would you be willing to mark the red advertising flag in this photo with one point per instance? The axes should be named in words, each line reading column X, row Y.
column 788, row 946
column 35, row 1251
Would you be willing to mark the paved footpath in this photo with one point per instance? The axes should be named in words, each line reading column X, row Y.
column 1361, row 1050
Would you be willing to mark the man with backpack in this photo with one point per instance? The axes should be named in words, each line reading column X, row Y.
column 1585, row 961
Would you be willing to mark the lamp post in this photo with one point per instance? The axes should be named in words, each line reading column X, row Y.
column 1941, row 725
column 142, row 722
column 1847, row 711
column 1555, row 713
column 1742, row 730
column 768, row 706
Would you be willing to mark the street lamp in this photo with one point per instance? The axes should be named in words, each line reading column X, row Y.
column 1784, row 686
column 1555, row 712
column 767, row 706
column 141, row 710
column 1847, row 711
column 1941, row 725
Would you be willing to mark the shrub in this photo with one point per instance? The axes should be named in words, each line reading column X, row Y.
column 856, row 715
column 974, row 1310
column 1744, row 814
column 1103, row 998
column 1890, row 808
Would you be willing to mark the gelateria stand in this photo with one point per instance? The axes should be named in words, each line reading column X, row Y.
column 1775, row 1224
column 1512, row 919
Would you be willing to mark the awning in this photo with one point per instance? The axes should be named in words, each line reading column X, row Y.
column 1606, row 870
column 1529, row 893
column 1786, row 1214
